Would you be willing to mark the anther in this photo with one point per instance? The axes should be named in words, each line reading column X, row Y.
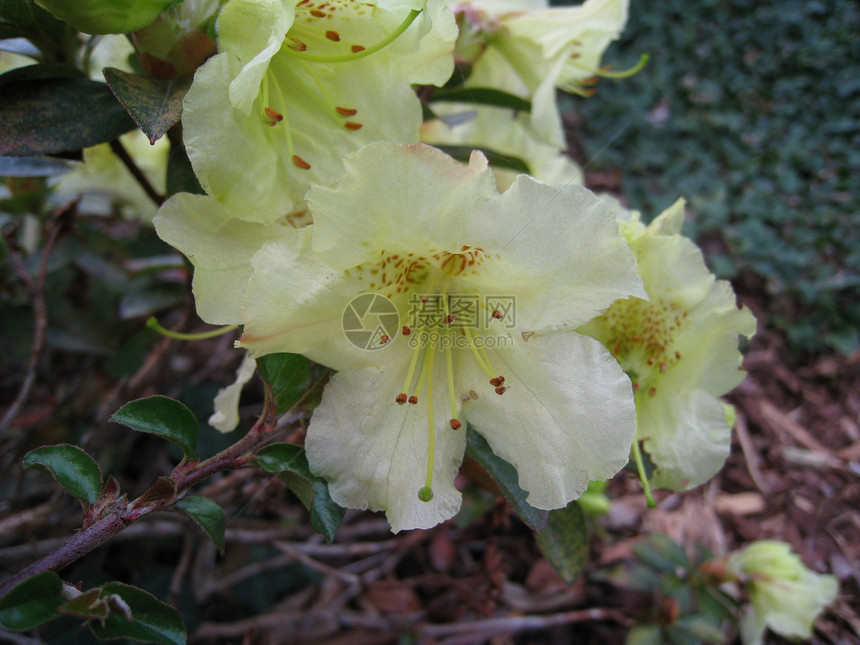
column 413, row 399
column 301, row 163
column 423, row 300
column 346, row 111
column 501, row 390
column 277, row 116
column 352, row 125
column 498, row 381
column 401, row 398
column 449, row 319
column 497, row 314
column 455, row 424
column 406, row 330
column 384, row 339
column 425, row 494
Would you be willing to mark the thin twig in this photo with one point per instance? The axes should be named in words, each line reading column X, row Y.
column 120, row 151
column 40, row 325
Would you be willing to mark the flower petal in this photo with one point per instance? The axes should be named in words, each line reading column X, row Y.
column 566, row 419
column 687, row 437
column 220, row 247
column 225, row 418
column 373, row 452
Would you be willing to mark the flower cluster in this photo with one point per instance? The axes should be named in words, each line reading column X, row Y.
column 328, row 230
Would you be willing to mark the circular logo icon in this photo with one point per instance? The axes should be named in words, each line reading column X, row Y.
column 370, row 321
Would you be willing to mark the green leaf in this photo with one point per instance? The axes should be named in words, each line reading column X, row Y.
column 48, row 116
column 87, row 605
column 180, row 174
column 288, row 376
column 164, row 417
column 23, row 18
column 482, row 96
column 496, row 159
column 31, row 602
column 154, row 104
column 207, row 514
column 662, row 553
column 73, row 469
column 151, row 619
column 564, row 541
column 291, row 464
column 506, row 478
column 107, row 16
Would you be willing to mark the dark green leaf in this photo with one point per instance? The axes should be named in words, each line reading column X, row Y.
column 31, row 602
column 291, row 464
column 87, row 605
column 288, row 375
column 207, row 514
column 31, row 167
column 40, row 117
column 154, row 104
column 564, row 541
column 73, row 469
column 482, row 96
column 662, row 553
column 151, row 619
column 164, row 417
column 498, row 160
column 505, row 476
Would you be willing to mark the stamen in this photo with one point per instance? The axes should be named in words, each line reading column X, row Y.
column 401, row 398
column 384, row 339
column 301, row 163
column 497, row 314
column 411, row 371
column 346, row 111
column 413, row 399
column 277, row 116
column 356, row 53
column 449, row 319
column 406, row 330
column 605, row 72
column 477, row 354
column 352, row 125
column 501, row 390
column 452, row 396
column 426, row 493
column 498, row 381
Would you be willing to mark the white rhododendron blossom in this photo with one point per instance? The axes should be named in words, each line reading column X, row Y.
column 299, row 85
column 529, row 49
column 680, row 350
column 409, row 229
column 785, row 595
column 225, row 418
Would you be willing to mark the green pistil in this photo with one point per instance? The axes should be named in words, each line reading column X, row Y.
column 345, row 58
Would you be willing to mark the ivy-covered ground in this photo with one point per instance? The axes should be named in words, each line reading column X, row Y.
column 751, row 110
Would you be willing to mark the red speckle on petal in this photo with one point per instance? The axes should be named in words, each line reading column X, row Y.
column 356, row 48
column 346, row 111
column 352, row 125
column 333, row 36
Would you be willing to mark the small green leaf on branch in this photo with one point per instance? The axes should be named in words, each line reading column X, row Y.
column 162, row 416
column 150, row 619
column 73, row 469
column 31, row 602
column 207, row 514
column 291, row 464
column 288, row 376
